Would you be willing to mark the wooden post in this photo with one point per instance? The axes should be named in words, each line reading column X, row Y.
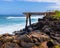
column 29, row 19
column 26, row 20
column 45, row 14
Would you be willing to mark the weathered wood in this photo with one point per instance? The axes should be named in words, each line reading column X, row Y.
column 29, row 19
column 28, row 16
column 39, row 13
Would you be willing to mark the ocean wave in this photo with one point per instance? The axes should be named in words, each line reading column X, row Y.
column 11, row 28
column 14, row 17
column 33, row 17
column 16, row 26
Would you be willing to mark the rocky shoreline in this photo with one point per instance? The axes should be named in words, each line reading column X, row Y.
column 43, row 34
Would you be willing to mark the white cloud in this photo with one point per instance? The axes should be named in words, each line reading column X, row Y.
column 56, row 6
column 8, row 0
column 43, row 0
column 54, row 1
column 57, row 2
column 40, row 0
column 51, row 1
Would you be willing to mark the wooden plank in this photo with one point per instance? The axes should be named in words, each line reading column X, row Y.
column 39, row 13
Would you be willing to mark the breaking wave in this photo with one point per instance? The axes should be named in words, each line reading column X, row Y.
column 11, row 24
column 14, row 17
column 11, row 28
column 33, row 17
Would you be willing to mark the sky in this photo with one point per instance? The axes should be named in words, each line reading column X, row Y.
column 16, row 7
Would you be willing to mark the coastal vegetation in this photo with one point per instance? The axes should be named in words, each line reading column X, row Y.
column 57, row 14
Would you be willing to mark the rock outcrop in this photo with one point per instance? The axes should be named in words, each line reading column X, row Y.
column 43, row 34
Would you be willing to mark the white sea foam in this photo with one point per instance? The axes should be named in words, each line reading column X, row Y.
column 15, row 17
column 32, row 17
column 11, row 28
column 36, row 16
column 15, row 27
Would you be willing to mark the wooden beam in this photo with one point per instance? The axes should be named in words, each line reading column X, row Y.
column 38, row 13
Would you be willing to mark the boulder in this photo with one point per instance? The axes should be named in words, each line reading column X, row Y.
column 10, row 45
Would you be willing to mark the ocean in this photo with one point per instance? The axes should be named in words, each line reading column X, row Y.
column 9, row 24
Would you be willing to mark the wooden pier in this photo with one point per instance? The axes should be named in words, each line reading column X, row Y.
column 28, row 15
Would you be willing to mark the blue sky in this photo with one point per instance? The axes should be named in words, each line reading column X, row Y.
column 20, row 6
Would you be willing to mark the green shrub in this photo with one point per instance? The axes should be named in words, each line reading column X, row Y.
column 57, row 14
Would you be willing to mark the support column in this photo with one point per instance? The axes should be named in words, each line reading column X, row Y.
column 29, row 19
column 26, row 20
column 45, row 14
